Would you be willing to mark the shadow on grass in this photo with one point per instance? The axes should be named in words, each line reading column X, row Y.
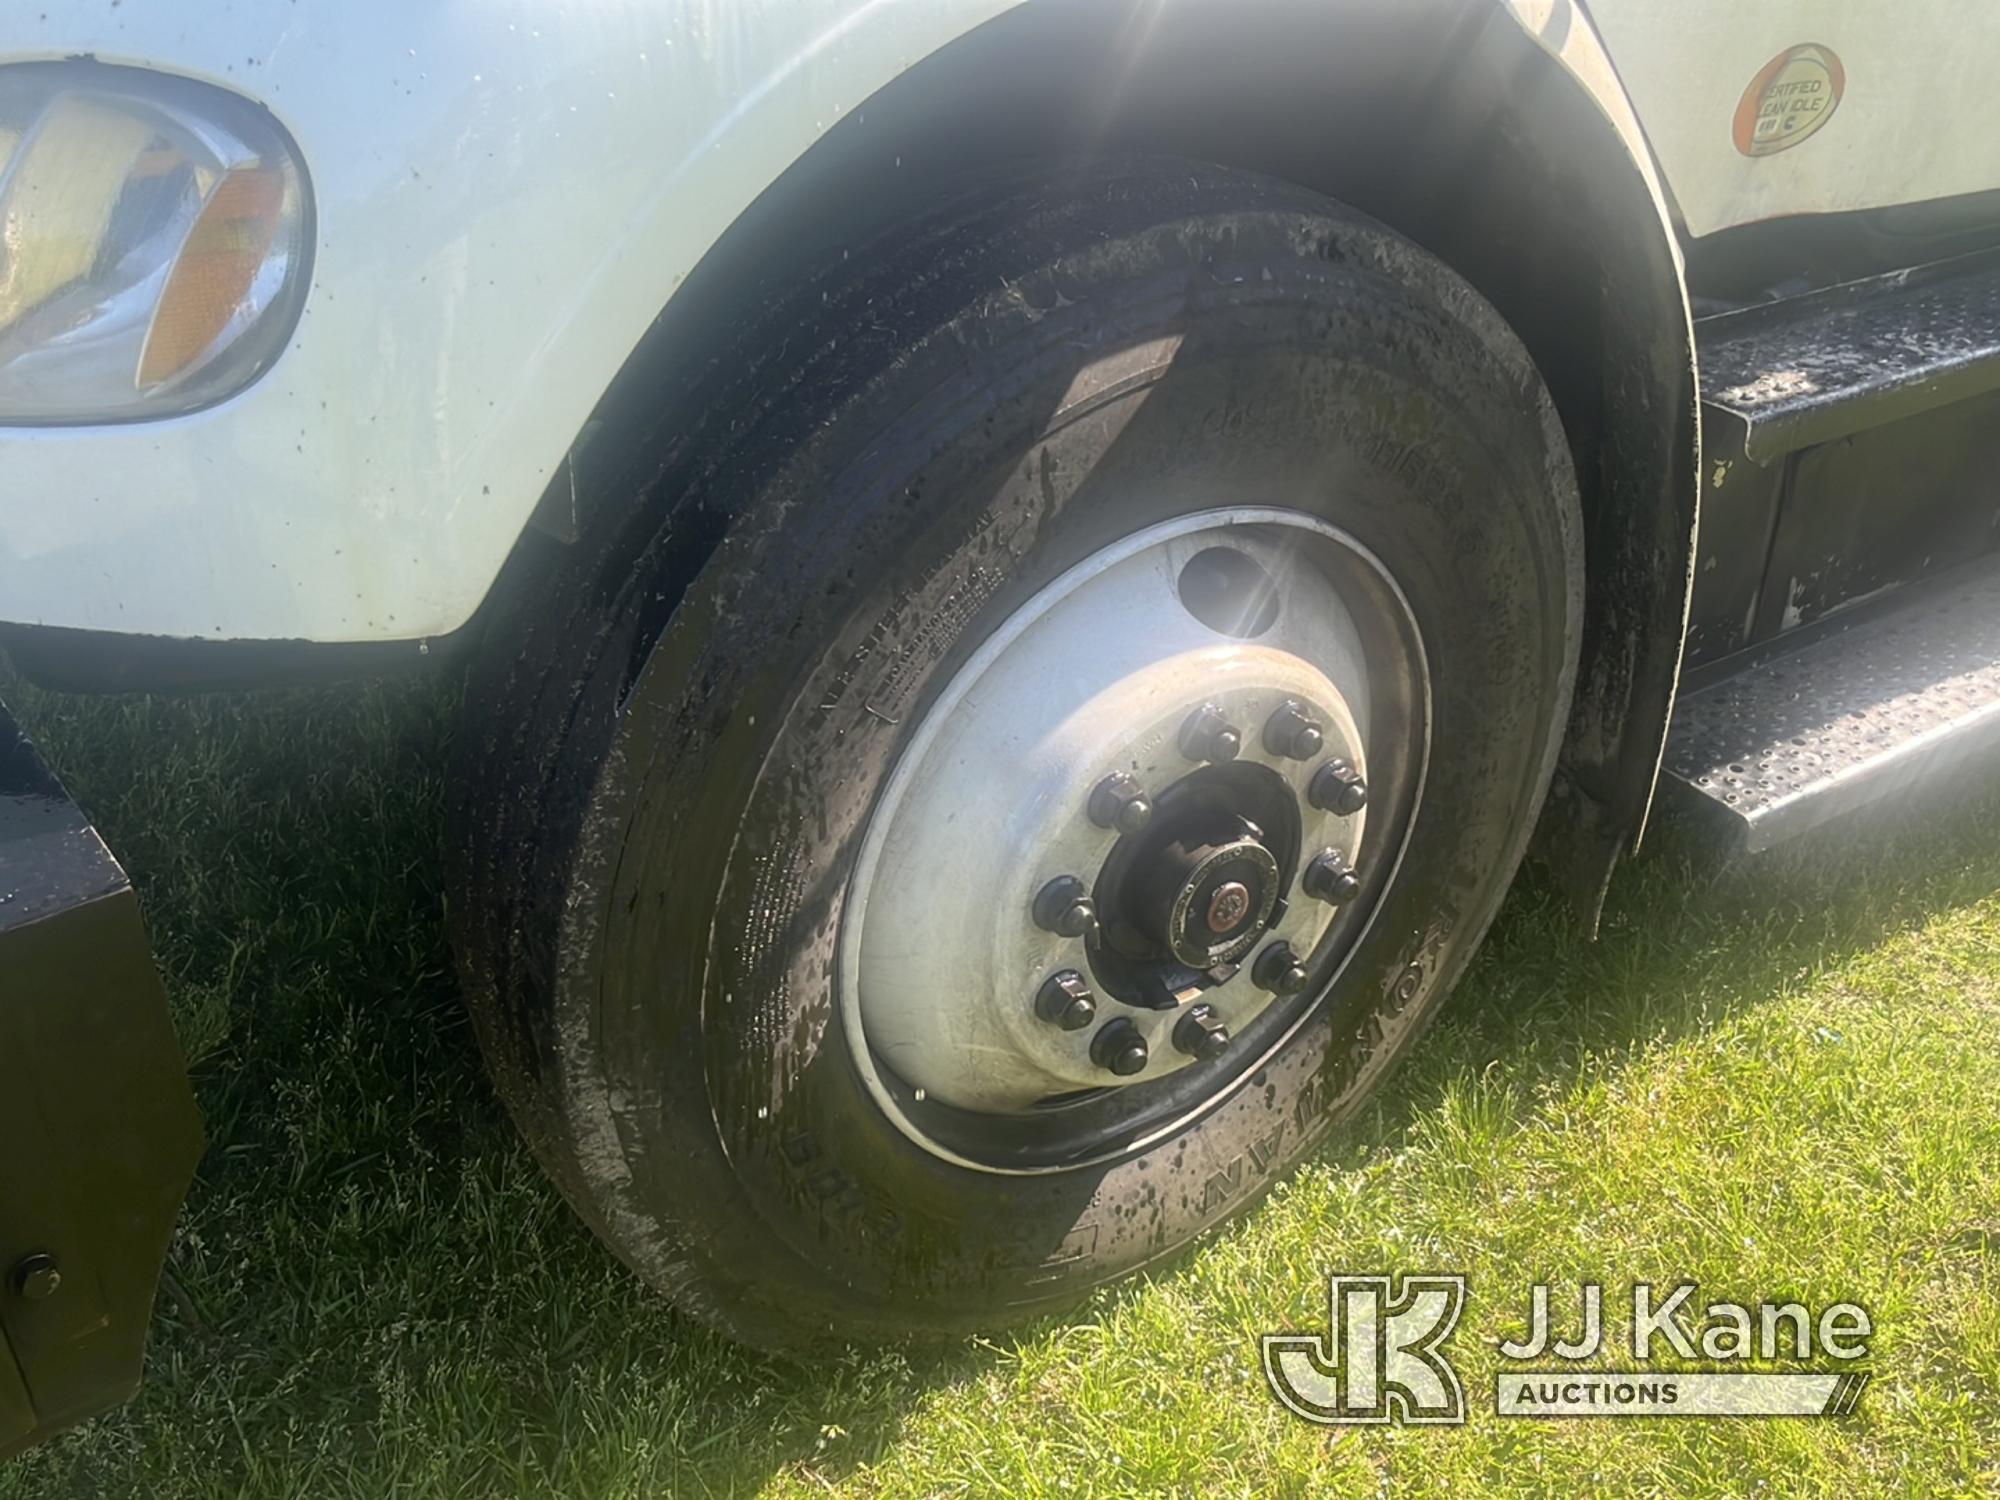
column 1689, row 938
column 376, row 1289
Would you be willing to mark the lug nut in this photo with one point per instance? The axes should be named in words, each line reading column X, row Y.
column 1338, row 788
column 1328, row 878
column 1065, row 1000
column 1201, row 1034
column 1208, row 735
column 36, row 1278
column 1293, row 732
column 1119, row 1047
column 1119, row 802
column 1279, row 970
column 1064, row 907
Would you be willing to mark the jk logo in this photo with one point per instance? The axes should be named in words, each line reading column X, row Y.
column 1380, row 1360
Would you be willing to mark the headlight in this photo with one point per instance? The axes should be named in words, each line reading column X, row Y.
column 153, row 240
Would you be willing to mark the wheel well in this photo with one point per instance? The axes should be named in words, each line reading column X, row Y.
column 1442, row 118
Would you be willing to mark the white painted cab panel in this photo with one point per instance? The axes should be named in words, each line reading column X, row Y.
column 1914, row 122
column 508, row 192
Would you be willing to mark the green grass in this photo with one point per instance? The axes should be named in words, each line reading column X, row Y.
column 1778, row 1079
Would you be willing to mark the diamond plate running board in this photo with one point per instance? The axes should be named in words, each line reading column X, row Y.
column 1846, row 358
column 1807, row 736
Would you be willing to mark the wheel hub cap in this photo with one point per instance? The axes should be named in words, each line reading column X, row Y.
column 1228, row 904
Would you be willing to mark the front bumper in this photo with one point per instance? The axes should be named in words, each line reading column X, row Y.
column 98, row 1131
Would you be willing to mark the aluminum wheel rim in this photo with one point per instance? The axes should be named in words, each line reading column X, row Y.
column 967, row 1068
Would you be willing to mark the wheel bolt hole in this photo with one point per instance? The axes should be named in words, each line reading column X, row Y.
column 1230, row 592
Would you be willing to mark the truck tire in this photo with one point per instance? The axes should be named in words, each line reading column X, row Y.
column 1036, row 748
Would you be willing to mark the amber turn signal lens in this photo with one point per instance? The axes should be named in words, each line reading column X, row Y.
column 210, row 283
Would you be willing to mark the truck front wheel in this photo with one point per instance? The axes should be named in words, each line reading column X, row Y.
column 1074, row 704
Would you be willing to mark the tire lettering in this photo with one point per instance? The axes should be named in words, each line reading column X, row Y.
column 1264, row 1150
column 1222, row 1186
column 1312, row 1101
column 1226, row 421
column 1079, row 1244
column 1413, row 466
column 840, row 1199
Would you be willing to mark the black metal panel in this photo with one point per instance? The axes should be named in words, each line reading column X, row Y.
column 1822, row 366
column 1884, row 509
column 98, row 1132
column 1741, row 264
column 1739, row 517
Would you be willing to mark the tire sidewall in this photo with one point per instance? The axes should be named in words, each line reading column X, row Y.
column 1164, row 376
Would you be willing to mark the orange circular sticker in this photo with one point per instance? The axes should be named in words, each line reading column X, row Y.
column 1793, row 95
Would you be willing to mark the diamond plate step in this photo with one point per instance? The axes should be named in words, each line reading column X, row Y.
column 1817, row 732
column 1840, row 360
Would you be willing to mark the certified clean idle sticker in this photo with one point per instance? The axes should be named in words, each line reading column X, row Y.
column 1792, row 96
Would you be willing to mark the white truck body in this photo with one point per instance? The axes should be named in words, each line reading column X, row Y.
column 507, row 195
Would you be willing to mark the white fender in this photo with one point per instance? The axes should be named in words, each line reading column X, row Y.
column 507, row 194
